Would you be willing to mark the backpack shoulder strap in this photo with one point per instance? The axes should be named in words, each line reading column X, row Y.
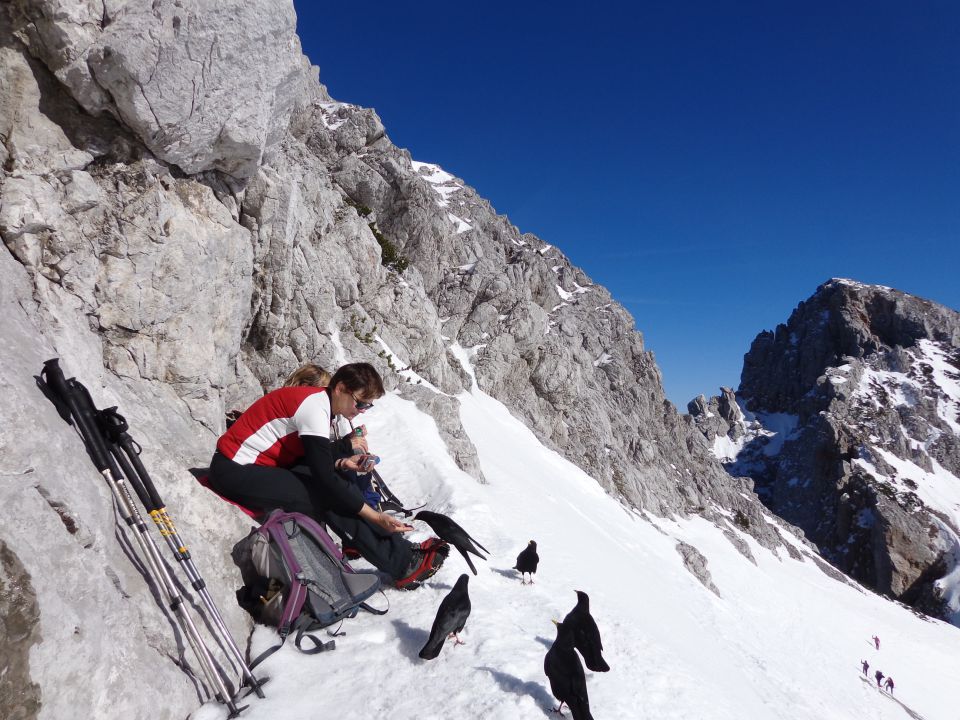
column 300, row 626
column 373, row 610
column 267, row 653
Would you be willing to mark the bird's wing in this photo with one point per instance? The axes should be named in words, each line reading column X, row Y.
column 587, row 641
column 437, row 635
column 592, row 631
column 463, row 612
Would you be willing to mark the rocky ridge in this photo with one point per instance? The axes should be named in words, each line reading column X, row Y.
column 850, row 429
column 187, row 215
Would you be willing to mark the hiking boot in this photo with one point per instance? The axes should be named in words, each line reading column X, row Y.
column 436, row 544
column 351, row 553
column 425, row 560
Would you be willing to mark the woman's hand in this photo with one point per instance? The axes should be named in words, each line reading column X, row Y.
column 383, row 520
column 358, row 439
column 391, row 524
column 354, row 463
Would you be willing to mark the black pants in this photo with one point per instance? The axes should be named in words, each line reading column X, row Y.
column 268, row 488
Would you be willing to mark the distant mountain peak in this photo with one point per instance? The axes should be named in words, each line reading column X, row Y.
column 843, row 318
column 851, row 431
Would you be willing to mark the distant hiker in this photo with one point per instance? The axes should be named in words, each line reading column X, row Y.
column 889, row 685
column 865, row 665
column 278, row 454
column 876, row 641
column 879, row 676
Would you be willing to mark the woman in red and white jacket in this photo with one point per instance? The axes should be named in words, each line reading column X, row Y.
column 278, row 454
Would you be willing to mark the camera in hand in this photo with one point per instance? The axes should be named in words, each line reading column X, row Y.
column 367, row 462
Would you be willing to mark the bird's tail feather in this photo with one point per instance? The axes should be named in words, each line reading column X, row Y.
column 580, row 710
column 469, row 561
column 479, row 545
column 431, row 650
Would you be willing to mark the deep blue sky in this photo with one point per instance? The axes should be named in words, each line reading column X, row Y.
column 710, row 163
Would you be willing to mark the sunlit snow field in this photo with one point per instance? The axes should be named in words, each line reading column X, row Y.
column 783, row 640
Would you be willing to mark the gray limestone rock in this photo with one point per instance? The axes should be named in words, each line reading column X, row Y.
column 19, row 620
column 740, row 544
column 445, row 409
column 205, row 84
column 862, row 385
column 843, row 319
column 718, row 417
column 90, row 602
column 696, row 564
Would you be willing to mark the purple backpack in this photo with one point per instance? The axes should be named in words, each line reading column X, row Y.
column 296, row 578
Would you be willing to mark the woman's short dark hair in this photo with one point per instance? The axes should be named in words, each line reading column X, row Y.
column 359, row 378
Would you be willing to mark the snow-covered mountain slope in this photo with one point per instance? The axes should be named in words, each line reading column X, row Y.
column 780, row 638
column 848, row 421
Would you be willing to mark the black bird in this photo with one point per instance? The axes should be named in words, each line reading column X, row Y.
column 527, row 561
column 451, row 617
column 586, row 634
column 447, row 529
column 567, row 681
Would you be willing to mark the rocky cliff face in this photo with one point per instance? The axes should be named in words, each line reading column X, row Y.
column 852, row 432
column 187, row 215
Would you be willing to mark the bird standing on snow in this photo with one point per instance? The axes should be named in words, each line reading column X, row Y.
column 451, row 617
column 527, row 561
column 447, row 529
column 567, row 681
column 586, row 634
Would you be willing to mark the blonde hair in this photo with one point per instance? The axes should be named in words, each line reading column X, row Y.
column 308, row 375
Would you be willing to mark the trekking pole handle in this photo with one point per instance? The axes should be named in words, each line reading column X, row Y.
column 115, row 427
column 74, row 394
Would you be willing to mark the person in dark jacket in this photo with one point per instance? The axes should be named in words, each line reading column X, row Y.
column 889, row 685
column 865, row 665
column 278, row 454
column 879, row 676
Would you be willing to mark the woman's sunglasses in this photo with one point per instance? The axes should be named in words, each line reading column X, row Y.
column 360, row 404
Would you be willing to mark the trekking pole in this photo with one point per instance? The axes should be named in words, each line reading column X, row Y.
column 81, row 408
column 127, row 451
